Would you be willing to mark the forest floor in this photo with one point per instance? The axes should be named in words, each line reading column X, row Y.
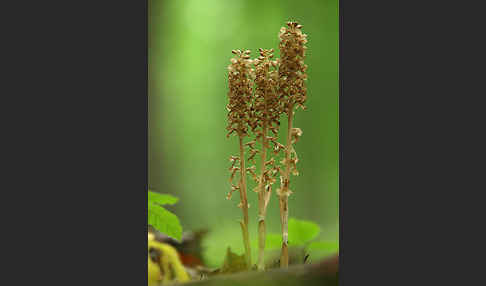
column 234, row 271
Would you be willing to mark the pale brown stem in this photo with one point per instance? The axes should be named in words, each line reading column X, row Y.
column 284, row 193
column 284, row 216
column 262, row 203
column 244, row 204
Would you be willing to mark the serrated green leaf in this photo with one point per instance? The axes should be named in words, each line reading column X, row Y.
column 321, row 249
column 302, row 231
column 164, row 221
column 161, row 199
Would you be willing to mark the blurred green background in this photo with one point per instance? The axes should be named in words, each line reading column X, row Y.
column 190, row 45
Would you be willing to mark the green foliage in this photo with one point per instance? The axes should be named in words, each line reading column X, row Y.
column 273, row 241
column 218, row 239
column 322, row 249
column 233, row 262
column 162, row 219
column 302, row 231
column 301, row 234
column 162, row 199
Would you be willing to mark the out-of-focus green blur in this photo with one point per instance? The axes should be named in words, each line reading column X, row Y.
column 190, row 45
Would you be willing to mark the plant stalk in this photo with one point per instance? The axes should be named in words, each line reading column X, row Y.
column 262, row 203
column 244, row 204
column 284, row 194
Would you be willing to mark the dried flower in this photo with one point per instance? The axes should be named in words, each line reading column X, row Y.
column 292, row 70
column 239, row 94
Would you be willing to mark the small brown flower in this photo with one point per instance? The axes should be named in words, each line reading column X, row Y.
column 239, row 94
column 233, row 189
column 292, row 70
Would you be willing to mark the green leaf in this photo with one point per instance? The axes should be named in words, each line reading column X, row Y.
column 302, row 231
column 218, row 239
column 161, row 199
column 164, row 221
column 273, row 241
column 322, row 249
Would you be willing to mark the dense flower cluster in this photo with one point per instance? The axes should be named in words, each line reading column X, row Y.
column 292, row 70
column 266, row 111
column 266, row 106
column 240, row 82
